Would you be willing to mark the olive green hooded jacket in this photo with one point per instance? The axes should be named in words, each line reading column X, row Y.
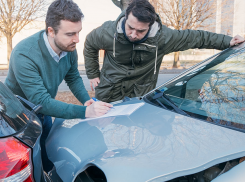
column 132, row 69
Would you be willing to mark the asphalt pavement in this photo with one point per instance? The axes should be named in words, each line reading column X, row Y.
column 161, row 79
column 63, row 87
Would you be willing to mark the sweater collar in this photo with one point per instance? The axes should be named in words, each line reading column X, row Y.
column 44, row 49
column 55, row 56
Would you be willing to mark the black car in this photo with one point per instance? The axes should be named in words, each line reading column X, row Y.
column 20, row 131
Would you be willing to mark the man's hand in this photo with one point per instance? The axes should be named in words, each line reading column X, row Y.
column 89, row 102
column 94, row 83
column 97, row 109
column 236, row 40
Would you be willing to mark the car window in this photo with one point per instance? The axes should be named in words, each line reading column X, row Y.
column 214, row 91
column 13, row 115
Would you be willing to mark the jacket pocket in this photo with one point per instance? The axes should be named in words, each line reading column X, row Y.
column 104, row 89
column 140, row 90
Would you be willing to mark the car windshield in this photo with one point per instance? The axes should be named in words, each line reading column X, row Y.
column 214, row 90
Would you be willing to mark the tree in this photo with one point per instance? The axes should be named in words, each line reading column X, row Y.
column 187, row 14
column 16, row 14
column 122, row 4
column 1, row 36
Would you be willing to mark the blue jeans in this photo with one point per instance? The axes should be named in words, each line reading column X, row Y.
column 47, row 125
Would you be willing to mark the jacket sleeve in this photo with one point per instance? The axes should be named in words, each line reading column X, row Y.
column 93, row 43
column 180, row 40
column 75, row 82
column 31, row 83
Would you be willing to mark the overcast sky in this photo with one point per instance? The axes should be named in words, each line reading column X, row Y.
column 98, row 11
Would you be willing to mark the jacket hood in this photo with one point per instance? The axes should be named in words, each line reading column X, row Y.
column 154, row 33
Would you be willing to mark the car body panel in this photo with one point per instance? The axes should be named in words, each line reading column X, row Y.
column 32, row 132
column 151, row 144
column 235, row 174
column 31, row 137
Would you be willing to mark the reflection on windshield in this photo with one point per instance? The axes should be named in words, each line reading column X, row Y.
column 223, row 94
column 215, row 93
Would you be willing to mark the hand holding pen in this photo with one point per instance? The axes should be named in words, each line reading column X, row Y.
column 96, row 100
column 97, row 108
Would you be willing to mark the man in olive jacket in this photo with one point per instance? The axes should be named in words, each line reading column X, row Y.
column 134, row 47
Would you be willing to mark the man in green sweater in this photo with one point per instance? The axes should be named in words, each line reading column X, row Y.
column 39, row 63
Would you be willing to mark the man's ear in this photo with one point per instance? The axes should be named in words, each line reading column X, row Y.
column 51, row 32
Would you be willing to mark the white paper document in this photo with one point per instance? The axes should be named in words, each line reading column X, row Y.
column 120, row 110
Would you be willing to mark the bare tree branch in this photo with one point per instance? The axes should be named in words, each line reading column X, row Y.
column 187, row 14
column 16, row 14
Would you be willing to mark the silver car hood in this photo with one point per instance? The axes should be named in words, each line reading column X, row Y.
column 151, row 144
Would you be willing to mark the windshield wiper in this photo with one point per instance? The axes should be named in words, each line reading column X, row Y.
column 162, row 95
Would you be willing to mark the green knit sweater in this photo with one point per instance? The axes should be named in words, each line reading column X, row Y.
column 35, row 75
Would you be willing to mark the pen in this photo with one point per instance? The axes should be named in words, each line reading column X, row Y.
column 96, row 100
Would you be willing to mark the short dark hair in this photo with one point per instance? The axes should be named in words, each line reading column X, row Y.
column 62, row 10
column 142, row 10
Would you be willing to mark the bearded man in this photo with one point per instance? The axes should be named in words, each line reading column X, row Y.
column 39, row 63
column 135, row 45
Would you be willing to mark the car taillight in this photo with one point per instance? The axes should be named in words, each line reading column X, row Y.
column 15, row 161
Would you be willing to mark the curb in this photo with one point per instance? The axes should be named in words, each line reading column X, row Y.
column 171, row 71
column 83, row 72
column 3, row 72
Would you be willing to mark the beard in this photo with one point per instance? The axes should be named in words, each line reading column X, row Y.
column 62, row 47
column 132, row 40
